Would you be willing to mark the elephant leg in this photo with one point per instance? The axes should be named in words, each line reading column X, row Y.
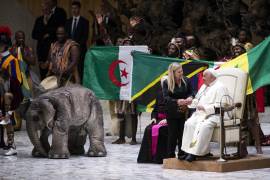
column 59, row 148
column 44, row 142
column 97, row 147
column 95, row 130
column 76, row 140
column 44, row 139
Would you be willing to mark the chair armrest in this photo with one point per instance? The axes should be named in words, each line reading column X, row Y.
column 227, row 108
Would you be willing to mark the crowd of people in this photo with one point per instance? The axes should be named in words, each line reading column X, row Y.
column 60, row 51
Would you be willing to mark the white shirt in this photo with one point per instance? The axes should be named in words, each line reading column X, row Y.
column 53, row 10
column 73, row 21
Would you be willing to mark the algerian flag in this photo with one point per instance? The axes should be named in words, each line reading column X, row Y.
column 108, row 71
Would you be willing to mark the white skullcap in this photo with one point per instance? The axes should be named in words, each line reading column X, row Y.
column 212, row 71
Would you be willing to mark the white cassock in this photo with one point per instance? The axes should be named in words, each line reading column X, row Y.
column 199, row 127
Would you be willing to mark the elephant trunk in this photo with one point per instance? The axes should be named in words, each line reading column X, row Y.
column 33, row 135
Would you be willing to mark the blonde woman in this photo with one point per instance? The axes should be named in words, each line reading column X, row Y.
column 178, row 93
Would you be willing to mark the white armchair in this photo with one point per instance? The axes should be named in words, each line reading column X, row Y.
column 230, row 131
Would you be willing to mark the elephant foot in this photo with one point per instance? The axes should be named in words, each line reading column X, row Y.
column 96, row 154
column 97, row 150
column 53, row 155
column 37, row 154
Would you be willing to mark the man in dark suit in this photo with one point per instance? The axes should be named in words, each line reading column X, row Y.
column 77, row 28
column 43, row 34
column 58, row 14
column 44, row 31
column 58, row 17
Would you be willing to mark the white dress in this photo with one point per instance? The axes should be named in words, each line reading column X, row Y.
column 199, row 127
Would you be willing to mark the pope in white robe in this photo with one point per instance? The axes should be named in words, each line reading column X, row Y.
column 199, row 127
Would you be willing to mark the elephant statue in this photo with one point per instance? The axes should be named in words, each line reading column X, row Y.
column 70, row 114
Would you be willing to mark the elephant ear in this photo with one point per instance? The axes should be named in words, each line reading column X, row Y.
column 34, row 110
column 23, row 108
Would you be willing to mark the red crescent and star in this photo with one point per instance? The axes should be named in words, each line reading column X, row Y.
column 112, row 77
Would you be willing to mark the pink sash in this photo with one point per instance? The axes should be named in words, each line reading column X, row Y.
column 155, row 131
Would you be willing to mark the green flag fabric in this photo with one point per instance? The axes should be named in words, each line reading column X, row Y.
column 149, row 69
column 108, row 71
column 256, row 63
column 115, row 73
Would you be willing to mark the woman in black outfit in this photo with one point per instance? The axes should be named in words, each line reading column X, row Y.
column 178, row 93
column 158, row 115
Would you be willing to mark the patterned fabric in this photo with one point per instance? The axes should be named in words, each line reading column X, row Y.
column 60, row 56
column 11, row 66
column 26, row 79
column 15, row 52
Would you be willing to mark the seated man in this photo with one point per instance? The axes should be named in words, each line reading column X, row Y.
column 199, row 127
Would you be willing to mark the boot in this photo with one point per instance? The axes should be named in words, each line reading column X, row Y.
column 10, row 139
column 2, row 141
column 243, row 149
column 190, row 157
column 121, row 139
column 134, row 122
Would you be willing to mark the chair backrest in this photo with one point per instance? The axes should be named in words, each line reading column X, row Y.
column 236, row 81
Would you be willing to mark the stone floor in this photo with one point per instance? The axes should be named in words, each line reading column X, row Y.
column 120, row 163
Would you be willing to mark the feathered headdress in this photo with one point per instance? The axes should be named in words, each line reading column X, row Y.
column 5, row 30
column 5, row 35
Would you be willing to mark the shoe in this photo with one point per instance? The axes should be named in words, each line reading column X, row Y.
column 132, row 142
column 208, row 155
column 190, row 158
column 119, row 141
column 182, row 157
column 12, row 151
column 181, row 153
